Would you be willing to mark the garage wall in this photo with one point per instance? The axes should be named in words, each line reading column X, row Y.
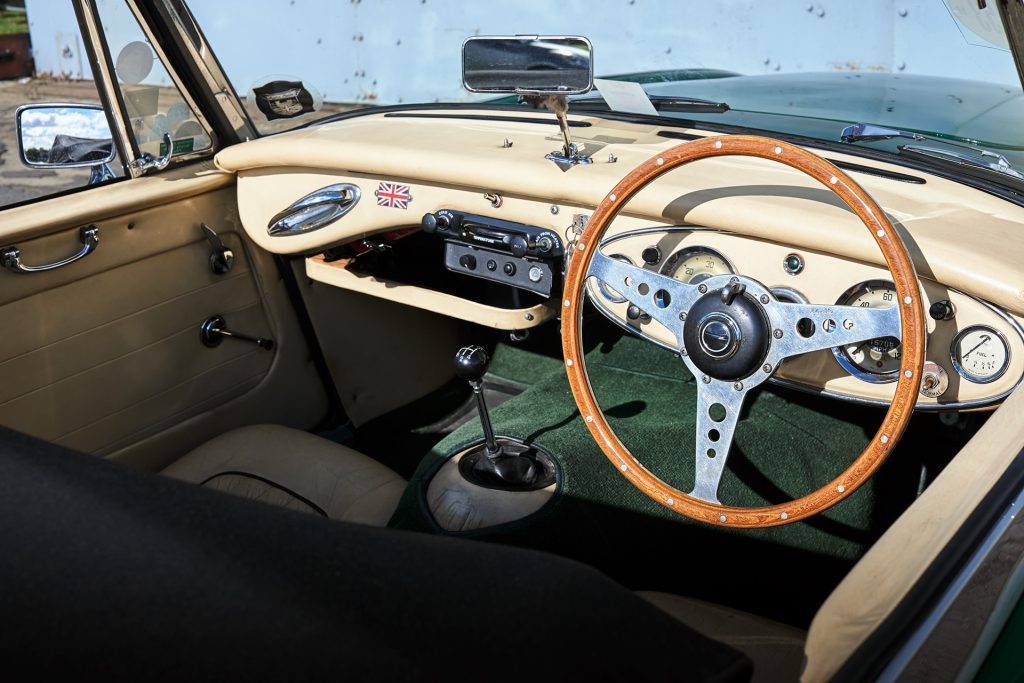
column 393, row 51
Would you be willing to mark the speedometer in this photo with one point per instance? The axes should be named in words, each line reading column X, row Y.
column 872, row 360
column 693, row 265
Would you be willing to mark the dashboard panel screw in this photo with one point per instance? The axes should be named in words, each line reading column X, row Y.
column 777, row 334
column 554, row 209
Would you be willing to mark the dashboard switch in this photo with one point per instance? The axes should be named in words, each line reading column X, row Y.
column 519, row 246
column 651, row 255
column 509, row 268
column 492, row 265
column 428, row 223
column 942, row 310
column 468, row 261
column 536, row 274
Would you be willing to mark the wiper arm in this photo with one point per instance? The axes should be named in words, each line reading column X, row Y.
column 662, row 103
column 999, row 165
column 866, row 132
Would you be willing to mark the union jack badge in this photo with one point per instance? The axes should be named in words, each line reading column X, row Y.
column 393, row 195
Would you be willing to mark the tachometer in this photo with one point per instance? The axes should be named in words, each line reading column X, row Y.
column 980, row 354
column 872, row 360
column 693, row 265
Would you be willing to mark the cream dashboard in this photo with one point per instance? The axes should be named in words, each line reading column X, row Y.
column 723, row 215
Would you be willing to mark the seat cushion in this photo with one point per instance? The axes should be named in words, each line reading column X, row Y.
column 777, row 650
column 296, row 470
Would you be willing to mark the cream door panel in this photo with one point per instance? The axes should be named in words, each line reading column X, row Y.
column 104, row 355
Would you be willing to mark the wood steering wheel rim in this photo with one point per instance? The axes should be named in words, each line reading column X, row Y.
column 909, row 303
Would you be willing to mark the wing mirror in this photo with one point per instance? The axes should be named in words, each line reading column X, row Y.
column 54, row 135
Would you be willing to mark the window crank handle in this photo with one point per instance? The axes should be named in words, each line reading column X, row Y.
column 213, row 330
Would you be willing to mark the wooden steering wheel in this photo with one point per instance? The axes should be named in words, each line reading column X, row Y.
column 733, row 333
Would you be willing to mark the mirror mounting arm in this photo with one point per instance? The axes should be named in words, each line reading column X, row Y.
column 559, row 104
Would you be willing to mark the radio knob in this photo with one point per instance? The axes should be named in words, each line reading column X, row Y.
column 519, row 246
column 545, row 244
column 428, row 222
column 468, row 261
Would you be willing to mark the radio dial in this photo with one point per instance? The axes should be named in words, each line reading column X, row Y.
column 519, row 246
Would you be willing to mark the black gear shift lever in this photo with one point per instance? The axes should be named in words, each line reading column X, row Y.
column 501, row 463
column 470, row 365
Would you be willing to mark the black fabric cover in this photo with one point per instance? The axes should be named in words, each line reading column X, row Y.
column 125, row 575
column 68, row 149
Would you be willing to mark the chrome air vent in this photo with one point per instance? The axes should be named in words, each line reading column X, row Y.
column 315, row 210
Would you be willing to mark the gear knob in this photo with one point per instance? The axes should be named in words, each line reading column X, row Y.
column 471, row 363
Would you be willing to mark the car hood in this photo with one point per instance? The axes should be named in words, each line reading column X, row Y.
column 821, row 104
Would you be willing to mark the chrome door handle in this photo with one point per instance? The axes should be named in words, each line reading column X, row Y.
column 315, row 210
column 11, row 256
column 148, row 162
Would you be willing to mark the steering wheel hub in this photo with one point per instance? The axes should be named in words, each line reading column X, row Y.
column 726, row 337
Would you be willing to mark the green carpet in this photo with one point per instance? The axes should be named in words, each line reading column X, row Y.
column 784, row 448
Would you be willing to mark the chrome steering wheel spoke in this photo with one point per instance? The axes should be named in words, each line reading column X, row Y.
column 808, row 327
column 718, row 410
column 662, row 297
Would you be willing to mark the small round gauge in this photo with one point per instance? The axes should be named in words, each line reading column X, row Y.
column 693, row 265
column 872, row 360
column 980, row 354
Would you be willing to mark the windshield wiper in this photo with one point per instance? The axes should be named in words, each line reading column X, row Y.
column 663, row 103
column 980, row 159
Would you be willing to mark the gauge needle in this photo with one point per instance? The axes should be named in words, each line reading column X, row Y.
column 984, row 340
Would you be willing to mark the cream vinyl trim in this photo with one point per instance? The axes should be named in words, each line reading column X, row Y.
column 93, row 204
column 335, row 273
column 751, row 197
column 887, row 572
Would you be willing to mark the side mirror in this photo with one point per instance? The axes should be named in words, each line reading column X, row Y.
column 64, row 136
column 531, row 65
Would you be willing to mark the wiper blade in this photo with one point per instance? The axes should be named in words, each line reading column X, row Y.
column 865, row 132
column 980, row 158
column 999, row 163
column 661, row 103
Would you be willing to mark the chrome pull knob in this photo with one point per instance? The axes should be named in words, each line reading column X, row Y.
column 213, row 330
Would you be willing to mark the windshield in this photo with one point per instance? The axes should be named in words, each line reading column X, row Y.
column 938, row 67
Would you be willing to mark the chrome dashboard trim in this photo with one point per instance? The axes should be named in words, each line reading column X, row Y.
column 805, row 388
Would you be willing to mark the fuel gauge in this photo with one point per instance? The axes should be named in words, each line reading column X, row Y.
column 980, row 354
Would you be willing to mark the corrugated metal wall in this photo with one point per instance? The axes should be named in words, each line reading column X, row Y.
column 392, row 51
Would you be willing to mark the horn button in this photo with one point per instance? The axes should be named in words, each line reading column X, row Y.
column 726, row 333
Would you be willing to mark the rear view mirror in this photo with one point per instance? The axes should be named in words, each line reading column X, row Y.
column 64, row 135
column 538, row 65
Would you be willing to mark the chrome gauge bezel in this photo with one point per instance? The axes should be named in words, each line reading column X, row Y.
column 607, row 292
column 668, row 268
column 969, row 376
column 843, row 358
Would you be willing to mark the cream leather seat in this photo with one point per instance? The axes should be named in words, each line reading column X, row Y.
column 777, row 650
column 295, row 470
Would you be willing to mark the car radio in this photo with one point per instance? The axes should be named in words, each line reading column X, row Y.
column 519, row 255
